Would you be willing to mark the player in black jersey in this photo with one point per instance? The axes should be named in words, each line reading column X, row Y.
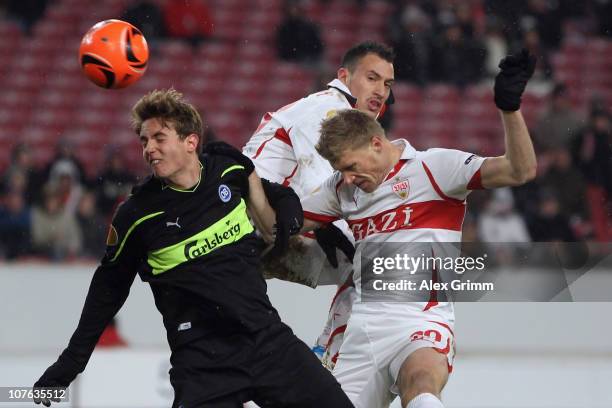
column 185, row 231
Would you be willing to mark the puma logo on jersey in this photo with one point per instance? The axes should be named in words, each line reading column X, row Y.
column 175, row 223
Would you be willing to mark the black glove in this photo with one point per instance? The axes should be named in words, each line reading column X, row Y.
column 516, row 69
column 289, row 214
column 329, row 238
column 225, row 149
column 59, row 375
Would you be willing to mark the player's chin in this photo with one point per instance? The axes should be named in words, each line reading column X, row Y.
column 158, row 172
column 366, row 187
column 373, row 113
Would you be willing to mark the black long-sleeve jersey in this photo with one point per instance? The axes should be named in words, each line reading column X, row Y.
column 198, row 251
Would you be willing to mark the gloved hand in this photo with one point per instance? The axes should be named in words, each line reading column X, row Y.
column 510, row 82
column 225, row 149
column 329, row 238
column 289, row 214
column 59, row 375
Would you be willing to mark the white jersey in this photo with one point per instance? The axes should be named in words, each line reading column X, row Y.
column 422, row 199
column 283, row 151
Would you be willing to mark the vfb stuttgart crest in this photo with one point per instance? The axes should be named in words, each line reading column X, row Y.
column 401, row 188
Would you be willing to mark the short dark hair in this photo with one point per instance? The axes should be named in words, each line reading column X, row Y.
column 347, row 129
column 355, row 53
column 168, row 105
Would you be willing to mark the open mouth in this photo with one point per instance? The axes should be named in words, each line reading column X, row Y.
column 374, row 105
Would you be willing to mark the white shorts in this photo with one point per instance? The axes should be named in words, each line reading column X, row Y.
column 379, row 337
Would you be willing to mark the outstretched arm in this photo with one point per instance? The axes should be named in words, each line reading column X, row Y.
column 108, row 291
column 518, row 165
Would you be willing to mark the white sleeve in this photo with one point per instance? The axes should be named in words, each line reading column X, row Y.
column 323, row 204
column 271, row 151
column 454, row 172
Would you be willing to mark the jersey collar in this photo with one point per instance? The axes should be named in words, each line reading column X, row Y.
column 186, row 190
column 409, row 152
column 339, row 85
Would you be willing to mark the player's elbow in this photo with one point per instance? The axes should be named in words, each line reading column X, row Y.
column 525, row 175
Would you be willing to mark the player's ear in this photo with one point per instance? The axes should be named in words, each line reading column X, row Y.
column 343, row 74
column 192, row 142
column 376, row 143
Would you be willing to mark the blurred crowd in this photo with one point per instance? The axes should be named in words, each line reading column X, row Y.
column 570, row 199
column 58, row 212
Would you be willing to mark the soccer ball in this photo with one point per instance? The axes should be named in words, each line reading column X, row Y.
column 113, row 54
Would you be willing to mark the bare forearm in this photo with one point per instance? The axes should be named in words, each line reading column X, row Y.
column 519, row 147
column 260, row 210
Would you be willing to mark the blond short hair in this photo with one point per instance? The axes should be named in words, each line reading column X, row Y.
column 347, row 130
column 168, row 105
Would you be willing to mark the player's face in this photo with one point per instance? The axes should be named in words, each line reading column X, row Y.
column 364, row 167
column 162, row 148
column 370, row 83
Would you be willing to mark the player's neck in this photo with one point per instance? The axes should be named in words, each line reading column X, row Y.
column 395, row 154
column 187, row 177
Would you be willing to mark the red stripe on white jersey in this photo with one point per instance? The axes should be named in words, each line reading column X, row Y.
column 325, row 219
column 280, row 134
column 289, row 177
column 283, row 135
column 396, row 169
column 339, row 330
column 436, row 214
column 475, row 182
column 338, row 292
column 264, row 121
column 437, row 188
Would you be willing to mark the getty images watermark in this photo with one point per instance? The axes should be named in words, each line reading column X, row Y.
column 411, row 265
column 484, row 272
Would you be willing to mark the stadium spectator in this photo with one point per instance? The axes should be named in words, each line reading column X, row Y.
column 412, row 42
column 464, row 13
column 456, row 59
column 66, row 157
column 500, row 222
column 592, row 153
column 114, row 183
column 55, row 232
column 559, row 122
column 148, row 18
column 565, row 182
column 551, row 225
column 495, row 44
column 508, row 13
column 28, row 12
column 544, row 17
column 21, row 164
column 64, row 179
column 15, row 217
column 544, row 69
column 93, row 226
column 188, row 20
column 297, row 38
